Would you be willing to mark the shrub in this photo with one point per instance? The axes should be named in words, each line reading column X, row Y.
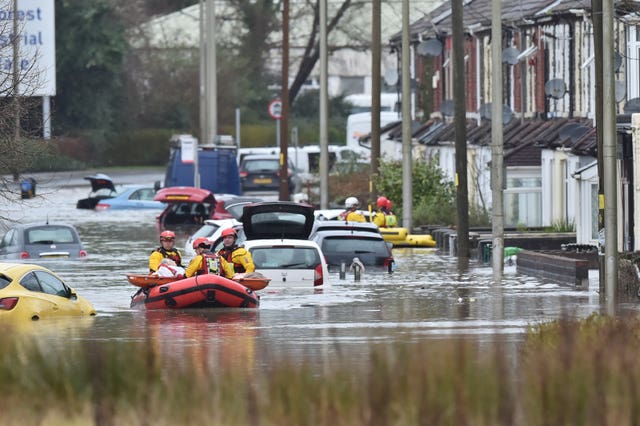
column 434, row 197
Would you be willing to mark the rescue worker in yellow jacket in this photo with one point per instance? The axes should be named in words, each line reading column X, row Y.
column 166, row 250
column 351, row 213
column 206, row 262
column 236, row 255
column 384, row 217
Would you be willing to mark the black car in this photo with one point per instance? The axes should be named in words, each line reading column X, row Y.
column 262, row 173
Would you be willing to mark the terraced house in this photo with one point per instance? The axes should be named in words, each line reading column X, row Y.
column 549, row 108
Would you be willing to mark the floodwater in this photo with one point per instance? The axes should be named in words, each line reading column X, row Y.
column 425, row 298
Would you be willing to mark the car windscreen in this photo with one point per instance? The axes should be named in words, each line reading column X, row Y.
column 355, row 245
column 252, row 166
column 288, row 257
column 50, row 235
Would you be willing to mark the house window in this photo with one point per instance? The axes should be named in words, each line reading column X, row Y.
column 523, row 200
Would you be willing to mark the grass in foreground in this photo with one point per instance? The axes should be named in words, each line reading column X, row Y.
column 565, row 372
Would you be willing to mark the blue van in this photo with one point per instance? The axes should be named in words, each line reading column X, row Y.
column 217, row 165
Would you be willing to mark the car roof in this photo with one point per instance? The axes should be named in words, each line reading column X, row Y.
column 261, row 157
column 348, row 234
column 249, row 244
column 18, row 268
column 344, row 226
column 257, row 224
column 40, row 224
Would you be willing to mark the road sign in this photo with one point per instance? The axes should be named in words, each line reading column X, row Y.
column 275, row 109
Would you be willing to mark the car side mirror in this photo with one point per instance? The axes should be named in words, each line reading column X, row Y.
column 72, row 294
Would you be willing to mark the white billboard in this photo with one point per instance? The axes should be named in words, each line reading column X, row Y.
column 36, row 47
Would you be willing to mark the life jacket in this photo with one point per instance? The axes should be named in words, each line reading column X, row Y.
column 210, row 265
column 171, row 254
column 227, row 254
column 391, row 221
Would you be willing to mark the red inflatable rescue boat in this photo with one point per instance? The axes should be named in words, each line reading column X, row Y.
column 201, row 291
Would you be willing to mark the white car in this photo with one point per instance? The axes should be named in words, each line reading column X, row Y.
column 289, row 263
column 211, row 230
column 277, row 237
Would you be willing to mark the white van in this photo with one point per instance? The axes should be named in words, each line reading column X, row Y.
column 359, row 125
column 361, row 102
column 306, row 159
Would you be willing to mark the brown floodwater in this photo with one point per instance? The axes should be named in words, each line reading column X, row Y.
column 427, row 297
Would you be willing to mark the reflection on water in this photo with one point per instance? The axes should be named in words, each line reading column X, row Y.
column 428, row 297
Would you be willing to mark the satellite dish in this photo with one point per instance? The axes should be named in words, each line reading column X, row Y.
column 621, row 90
column 617, row 61
column 430, row 47
column 391, row 77
column 510, row 55
column 485, row 112
column 555, row 88
column 448, row 107
column 632, row 106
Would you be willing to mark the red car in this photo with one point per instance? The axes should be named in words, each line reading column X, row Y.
column 188, row 206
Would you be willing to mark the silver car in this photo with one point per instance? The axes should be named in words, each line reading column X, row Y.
column 42, row 241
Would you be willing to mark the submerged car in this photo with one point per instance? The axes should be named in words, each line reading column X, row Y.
column 188, row 207
column 212, row 228
column 101, row 188
column 277, row 238
column 32, row 292
column 133, row 197
column 343, row 242
column 42, row 241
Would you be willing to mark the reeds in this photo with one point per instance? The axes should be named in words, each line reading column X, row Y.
column 565, row 372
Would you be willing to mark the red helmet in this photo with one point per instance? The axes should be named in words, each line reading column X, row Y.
column 167, row 235
column 382, row 202
column 201, row 241
column 388, row 204
column 229, row 231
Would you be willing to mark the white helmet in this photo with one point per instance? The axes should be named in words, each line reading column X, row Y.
column 351, row 202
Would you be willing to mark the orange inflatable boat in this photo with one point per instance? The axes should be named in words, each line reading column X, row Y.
column 201, row 291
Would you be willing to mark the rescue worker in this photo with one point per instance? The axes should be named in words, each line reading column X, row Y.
column 206, row 262
column 390, row 217
column 166, row 250
column 384, row 217
column 351, row 214
column 236, row 255
column 379, row 218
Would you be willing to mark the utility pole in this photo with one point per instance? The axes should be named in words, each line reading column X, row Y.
column 497, row 148
column 609, row 157
column 596, row 19
column 203, row 75
column 375, row 95
column 284, row 97
column 212, row 82
column 462, row 190
column 324, row 109
column 407, row 164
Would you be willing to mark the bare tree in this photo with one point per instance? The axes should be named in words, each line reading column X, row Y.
column 19, row 123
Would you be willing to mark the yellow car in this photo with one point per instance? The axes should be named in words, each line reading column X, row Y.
column 32, row 292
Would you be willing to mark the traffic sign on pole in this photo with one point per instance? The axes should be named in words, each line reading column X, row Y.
column 275, row 109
